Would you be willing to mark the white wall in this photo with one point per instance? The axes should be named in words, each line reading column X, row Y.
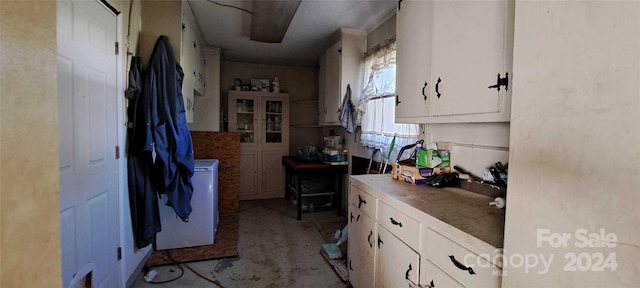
column 207, row 111
column 575, row 139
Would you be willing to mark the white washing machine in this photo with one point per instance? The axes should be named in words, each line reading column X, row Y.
column 203, row 221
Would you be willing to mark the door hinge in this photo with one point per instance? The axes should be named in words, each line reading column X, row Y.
column 117, row 48
column 119, row 253
column 117, row 152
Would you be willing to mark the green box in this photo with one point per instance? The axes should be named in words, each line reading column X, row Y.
column 434, row 158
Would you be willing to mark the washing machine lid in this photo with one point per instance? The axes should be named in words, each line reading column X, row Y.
column 201, row 165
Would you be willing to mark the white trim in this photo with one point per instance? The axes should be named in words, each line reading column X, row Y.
column 121, row 140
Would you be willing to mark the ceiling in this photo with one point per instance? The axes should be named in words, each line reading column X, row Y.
column 310, row 32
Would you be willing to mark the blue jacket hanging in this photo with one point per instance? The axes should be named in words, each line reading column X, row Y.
column 143, row 199
column 348, row 116
column 167, row 132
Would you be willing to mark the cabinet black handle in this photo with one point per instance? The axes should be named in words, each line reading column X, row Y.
column 406, row 275
column 437, row 87
column 431, row 285
column 358, row 218
column 352, row 217
column 397, row 100
column 394, row 222
column 460, row 266
column 360, row 201
column 350, row 267
column 501, row 82
column 379, row 241
column 423, row 94
column 369, row 238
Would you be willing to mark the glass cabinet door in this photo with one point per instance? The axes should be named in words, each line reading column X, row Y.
column 245, row 119
column 273, row 121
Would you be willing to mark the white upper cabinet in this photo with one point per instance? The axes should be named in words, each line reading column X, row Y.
column 413, row 60
column 469, row 44
column 340, row 66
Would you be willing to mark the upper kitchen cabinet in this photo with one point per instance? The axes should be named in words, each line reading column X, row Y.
column 467, row 51
column 175, row 20
column 340, row 65
column 413, row 60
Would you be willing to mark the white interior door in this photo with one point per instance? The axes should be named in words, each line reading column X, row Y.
column 87, row 113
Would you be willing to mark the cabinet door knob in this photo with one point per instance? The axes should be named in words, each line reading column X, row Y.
column 423, row 94
column 394, row 222
column 461, row 266
column 406, row 275
column 361, row 201
column 437, row 87
column 501, row 82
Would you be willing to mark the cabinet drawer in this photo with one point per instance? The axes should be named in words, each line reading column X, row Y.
column 432, row 276
column 403, row 226
column 465, row 266
column 362, row 200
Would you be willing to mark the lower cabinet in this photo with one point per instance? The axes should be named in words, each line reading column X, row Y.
column 361, row 248
column 262, row 174
column 397, row 265
column 394, row 245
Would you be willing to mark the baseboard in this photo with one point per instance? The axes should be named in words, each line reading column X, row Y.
column 138, row 269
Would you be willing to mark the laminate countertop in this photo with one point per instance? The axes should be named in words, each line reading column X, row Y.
column 465, row 210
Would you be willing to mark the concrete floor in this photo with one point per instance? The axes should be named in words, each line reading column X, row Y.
column 275, row 250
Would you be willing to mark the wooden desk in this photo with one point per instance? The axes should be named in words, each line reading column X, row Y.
column 295, row 167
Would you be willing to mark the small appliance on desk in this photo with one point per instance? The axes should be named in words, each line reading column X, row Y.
column 333, row 152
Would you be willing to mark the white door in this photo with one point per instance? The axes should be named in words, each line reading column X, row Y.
column 87, row 113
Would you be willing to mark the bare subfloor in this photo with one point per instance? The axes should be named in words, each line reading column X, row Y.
column 275, row 250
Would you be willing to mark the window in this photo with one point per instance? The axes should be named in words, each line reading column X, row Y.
column 378, row 103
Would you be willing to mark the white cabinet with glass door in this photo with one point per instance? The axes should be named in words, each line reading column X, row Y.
column 262, row 119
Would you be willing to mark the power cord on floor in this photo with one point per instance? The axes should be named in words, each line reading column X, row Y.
column 177, row 263
column 170, row 280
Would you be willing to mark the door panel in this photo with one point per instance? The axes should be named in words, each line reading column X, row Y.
column 248, row 169
column 413, row 68
column 395, row 261
column 87, row 138
column 272, row 174
column 468, row 53
column 362, row 233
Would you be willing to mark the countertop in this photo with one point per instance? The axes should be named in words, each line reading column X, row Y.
column 465, row 210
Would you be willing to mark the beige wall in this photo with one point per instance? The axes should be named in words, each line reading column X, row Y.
column 300, row 82
column 575, row 140
column 29, row 240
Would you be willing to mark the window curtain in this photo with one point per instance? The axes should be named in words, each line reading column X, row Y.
column 378, row 106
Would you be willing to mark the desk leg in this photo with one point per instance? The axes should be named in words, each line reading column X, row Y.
column 287, row 180
column 339, row 200
column 299, row 193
